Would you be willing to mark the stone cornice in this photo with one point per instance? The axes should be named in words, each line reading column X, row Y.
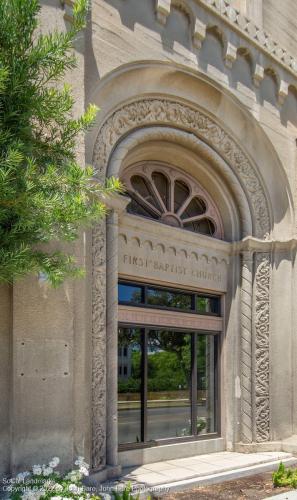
column 116, row 202
column 254, row 245
column 249, row 30
column 237, row 32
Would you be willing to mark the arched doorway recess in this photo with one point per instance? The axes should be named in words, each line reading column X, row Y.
column 122, row 131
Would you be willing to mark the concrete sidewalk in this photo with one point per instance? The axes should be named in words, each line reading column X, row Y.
column 186, row 473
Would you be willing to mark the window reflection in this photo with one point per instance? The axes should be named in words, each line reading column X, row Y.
column 157, row 381
column 129, row 385
column 130, row 294
column 165, row 298
column 169, row 369
column 206, row 421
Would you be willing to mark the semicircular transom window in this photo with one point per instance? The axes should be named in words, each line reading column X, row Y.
column 163, row 193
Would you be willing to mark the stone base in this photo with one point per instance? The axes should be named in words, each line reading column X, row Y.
column 259, row 447
column 100, row 476
column 290, row 445
column 142, row 456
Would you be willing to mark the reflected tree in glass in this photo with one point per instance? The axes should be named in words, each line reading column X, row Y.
column 129, row 385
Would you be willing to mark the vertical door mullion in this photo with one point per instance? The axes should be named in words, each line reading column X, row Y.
column 194, row 384
column 217, row 418
column 144, row 386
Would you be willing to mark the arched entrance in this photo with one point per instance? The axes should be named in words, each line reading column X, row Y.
column 191, row 141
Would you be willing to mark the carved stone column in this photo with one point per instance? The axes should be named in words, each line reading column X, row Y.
column 105, row 335
column 99, row 346
column 111, row 338
column 246, row 347
column 261, row 347
column 117, row 205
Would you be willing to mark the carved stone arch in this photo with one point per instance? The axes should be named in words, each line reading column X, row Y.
column 202, row 149
column 208, row 137
column 166, row 112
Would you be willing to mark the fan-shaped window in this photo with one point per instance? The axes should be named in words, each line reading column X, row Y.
column 162, row 193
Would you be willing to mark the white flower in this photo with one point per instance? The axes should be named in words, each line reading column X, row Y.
column 32, row 494
column 47, row 471
column 54, row 462
column 22, row 476
column 79, row 460
column 37, row 470
column 56, row 498
column 73, row 488
column 74, row 475
column 83, row 470
column 58, row 487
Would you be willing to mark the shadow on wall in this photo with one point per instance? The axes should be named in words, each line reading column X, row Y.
column 176, row 38
column 176, row 29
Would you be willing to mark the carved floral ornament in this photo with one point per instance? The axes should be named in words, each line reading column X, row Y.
column 151, row 111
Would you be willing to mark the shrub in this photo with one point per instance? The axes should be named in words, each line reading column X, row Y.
column 45, row 482
column 284, row 477
column 45, row 195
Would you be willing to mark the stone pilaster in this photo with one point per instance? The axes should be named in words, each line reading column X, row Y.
column 261, row 347
column 111, row 338
column 246, row 347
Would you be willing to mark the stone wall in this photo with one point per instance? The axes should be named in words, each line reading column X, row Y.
column 125, row 56
column 280, row 20
column 5, row 377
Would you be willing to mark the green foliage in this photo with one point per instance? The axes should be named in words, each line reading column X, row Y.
column 284, row 477
column 45, row 482
column 126, row 494
column 44, row 193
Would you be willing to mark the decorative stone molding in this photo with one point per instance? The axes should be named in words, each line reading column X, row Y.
column 230, row 54
column 249, row 30
column 200, row 148
column 199, row 33
column 99, row 346
column 162, row 10
column 258, row 75
column 152, row 111
column 283, row 91
column 246, row 347
column 142, row 316
column 261, row 350
column 143, row 113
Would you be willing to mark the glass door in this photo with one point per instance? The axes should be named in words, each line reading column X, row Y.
column 167, row 385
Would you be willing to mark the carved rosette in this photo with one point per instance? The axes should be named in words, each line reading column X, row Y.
column 151, row 111
column 261, row 351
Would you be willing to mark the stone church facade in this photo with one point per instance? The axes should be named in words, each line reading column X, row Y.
column 181, row 339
